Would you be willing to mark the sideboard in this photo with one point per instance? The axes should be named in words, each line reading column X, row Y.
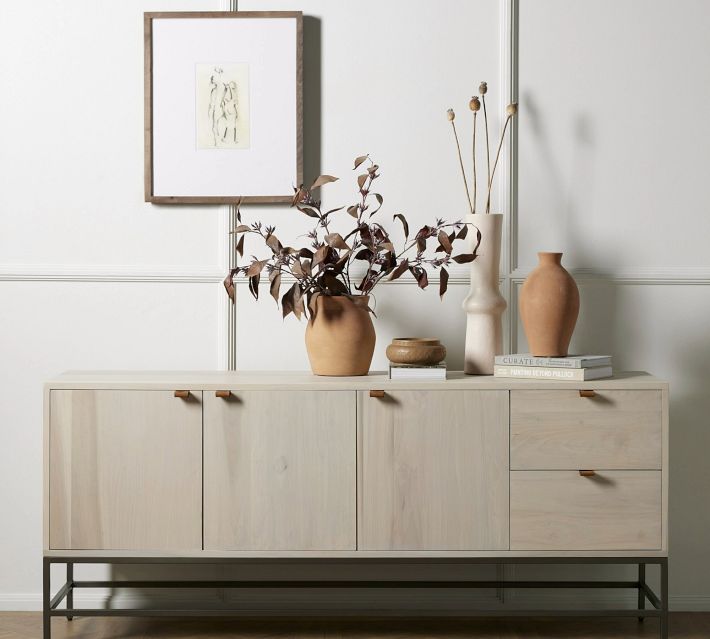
column 228, row 467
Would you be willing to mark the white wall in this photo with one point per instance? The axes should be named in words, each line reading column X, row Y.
column 612, row 160
column 387, row 78
column 90, row 276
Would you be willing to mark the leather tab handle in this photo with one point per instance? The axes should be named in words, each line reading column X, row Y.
column 587, row 473
column 587, row 393
column 224, row 394
column 182, row 394
column 377, row 393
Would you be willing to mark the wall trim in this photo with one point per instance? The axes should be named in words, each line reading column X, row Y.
column 110, row 273
column 459, row 274
column 681, row 275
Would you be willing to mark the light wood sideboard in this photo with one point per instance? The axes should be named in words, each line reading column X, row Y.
column 230, row 466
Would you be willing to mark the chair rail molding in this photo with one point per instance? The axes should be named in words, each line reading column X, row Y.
column 179, row 274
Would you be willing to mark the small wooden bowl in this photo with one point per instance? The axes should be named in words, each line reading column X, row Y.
column 424, row 351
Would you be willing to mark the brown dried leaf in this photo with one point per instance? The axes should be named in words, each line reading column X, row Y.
column 343, row 260
column 478, row 241
column 463, row 232
column 443, row 282
column 379, row 199
column 359, row 160
column 464, row 258
column 242, row 228
column 309, row 211
column 273, row 243
column 240, row 246
column 229, row 284
column 402, row 268
column 353, row 210
column 334, row 285
column 288, row 299
column 323, row 179
column 402, row 219
column 364, row 254
column 321, row 255
column 275, row 285
column 312, row 304
column 254, row 285
column 256, row 267
column 361, row 179
column 298, row 306
column 445, row 242
column 420, row 275
column 336, row 241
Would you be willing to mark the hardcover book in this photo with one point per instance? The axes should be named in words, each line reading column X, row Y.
column 542, row 372
column 409, row 371
column 572, row 361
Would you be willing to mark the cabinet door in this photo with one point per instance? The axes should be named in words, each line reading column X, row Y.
column 280, row 470
column 434, row 470
column 125, row 470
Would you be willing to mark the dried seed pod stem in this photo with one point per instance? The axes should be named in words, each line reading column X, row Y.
column 475, row 179
column 463, row 171
column 488, row 148
column 511, row 112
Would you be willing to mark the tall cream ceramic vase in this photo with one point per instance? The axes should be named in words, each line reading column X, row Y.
column 549, row 305
column 484, row 305
column 340, row 336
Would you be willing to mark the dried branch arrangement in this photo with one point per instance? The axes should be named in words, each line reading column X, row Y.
column 475, row 106
column 325, row 265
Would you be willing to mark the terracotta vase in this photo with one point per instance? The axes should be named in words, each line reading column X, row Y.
column 484, row 305
column 549, row 305
column 340, row 337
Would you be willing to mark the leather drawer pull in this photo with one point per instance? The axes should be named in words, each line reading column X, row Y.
column 182, row 394
column 587, row 473
column 224, row 394
column 377, row 393
column 587, row 393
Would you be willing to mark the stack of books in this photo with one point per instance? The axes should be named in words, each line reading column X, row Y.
column 576, row 368
column 416, row 371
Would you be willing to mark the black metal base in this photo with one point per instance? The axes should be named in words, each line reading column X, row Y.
column 659, row 604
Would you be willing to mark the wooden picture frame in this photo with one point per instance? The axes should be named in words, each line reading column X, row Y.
column 210, row 139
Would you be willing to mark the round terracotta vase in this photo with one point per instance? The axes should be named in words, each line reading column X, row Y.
column 549, row 305
column 422, row 351
column 340, row 336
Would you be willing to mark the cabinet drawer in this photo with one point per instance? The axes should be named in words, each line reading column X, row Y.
column 558, row 429
column 561, row 510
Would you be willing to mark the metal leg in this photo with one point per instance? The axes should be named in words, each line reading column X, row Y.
column 70, row 592
column 664, row 599
column 641, row 593
column 46, row 619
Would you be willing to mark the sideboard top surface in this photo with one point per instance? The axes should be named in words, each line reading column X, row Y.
column 273, row 380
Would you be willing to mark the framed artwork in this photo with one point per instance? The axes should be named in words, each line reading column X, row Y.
column 223, row 106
